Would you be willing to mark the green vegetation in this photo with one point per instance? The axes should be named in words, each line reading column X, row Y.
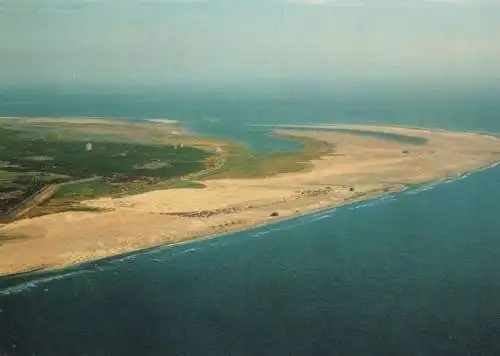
column 241, row 163
column 142, row 187
column 179, row 183
column 84, row 189
column 106, row 159
column 404, row 139
column 30, row 160
column 5, row 175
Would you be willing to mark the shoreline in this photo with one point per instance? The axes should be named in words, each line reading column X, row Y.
column 383, row 125
column 154, row 220
column 235, row 230
column 71, row 269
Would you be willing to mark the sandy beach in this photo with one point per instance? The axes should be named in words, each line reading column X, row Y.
column 361, row 167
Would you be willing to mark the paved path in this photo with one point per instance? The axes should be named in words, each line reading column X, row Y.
column 221, row 161
column 84, row 180
column 41, row 196
column 32, row 202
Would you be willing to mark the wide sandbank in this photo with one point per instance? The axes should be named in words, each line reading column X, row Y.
column 358, row 167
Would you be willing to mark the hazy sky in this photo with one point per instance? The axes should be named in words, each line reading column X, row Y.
column 231, row 41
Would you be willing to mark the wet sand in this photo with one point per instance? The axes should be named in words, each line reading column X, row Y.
column 360, row 168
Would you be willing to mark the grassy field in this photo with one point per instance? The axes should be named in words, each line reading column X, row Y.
column 30, row 160
column 107, row 159
column 86, row 189
column 386, row 136
column 6, row 175
column 242, row 163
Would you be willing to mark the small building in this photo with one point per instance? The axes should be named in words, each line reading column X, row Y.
column 88, row 146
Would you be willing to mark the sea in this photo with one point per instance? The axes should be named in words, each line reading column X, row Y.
column 412, row 273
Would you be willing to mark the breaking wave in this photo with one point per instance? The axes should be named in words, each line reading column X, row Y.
column 38, row 282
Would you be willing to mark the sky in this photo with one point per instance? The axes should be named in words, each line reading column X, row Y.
column 176, row 42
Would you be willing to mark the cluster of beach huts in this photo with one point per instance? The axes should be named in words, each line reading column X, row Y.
column 206, row 213
column 228, row 210
column 312, row 193
column 321, row 191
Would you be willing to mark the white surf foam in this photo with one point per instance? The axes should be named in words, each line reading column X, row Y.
column 126, row 258
column 370, row 203
column 425, row 188
column 191, row 250
column 261, row 233
column 321, row 217
column 38, row 282
column 459, row 178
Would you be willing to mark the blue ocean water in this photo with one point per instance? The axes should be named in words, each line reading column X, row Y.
column 234, row 115
column 416, row 273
